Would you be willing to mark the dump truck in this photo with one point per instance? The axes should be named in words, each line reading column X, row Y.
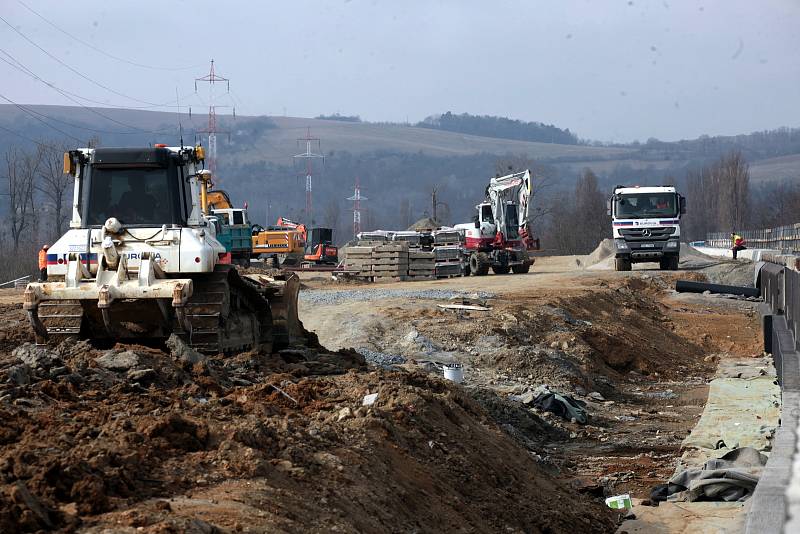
column 232, row 224
column 142, row 261
column 499, row 236
column 646, row 225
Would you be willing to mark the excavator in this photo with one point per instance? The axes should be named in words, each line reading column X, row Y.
column 141, row 260
column 277, row 245
column 319, row 247
column 500, row 236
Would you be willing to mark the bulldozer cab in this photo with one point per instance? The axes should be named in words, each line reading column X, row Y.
column 140, row 187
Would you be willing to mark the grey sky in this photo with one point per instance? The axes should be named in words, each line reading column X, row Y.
column 608, row 70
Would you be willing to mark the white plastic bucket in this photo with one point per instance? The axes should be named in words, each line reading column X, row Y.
column 454, row 372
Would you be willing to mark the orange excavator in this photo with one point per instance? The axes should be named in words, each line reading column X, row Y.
column 319, row 247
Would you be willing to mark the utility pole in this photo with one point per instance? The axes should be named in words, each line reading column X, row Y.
column 357, row 198
column 212, row 78
column 435, row 203
column 309, row 156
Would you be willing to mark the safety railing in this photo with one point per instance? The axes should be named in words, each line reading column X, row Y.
column 783, row 238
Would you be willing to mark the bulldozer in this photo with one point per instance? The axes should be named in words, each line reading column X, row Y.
column 141, row 261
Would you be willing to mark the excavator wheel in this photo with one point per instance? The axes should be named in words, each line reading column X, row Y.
column 479, row 263
column 501, row 269
column 521, row 268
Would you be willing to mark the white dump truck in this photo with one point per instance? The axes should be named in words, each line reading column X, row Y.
column 646, row 223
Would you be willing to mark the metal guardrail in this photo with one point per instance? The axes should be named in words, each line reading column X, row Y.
column 783, row 238
column 774, row 505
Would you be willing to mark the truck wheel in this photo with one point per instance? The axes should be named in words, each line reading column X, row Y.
column 622, row 264
column 521, row 268
column 479, row 263
column 501, row 269
column 663, row 264
column 465, row 271
column 674, row 263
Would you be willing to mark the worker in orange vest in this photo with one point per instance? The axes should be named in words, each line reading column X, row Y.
column 43, row 263
column 737, row 243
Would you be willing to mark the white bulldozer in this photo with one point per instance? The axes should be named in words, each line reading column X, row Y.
column 141, row 261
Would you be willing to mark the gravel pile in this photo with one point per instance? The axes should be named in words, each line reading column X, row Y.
column 381, row 359
column 323, row 297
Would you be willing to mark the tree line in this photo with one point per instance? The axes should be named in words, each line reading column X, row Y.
column 36, row 197
column 500, row 127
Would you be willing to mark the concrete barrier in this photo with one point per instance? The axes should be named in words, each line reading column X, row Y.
column 753, row 254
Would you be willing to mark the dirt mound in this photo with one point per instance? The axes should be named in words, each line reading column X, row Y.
column 425, row 224
column 143, row 438
column 604, row 251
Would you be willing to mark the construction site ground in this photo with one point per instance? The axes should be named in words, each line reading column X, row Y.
column 135, row 438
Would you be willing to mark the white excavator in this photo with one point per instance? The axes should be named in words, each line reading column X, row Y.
column 141, row 261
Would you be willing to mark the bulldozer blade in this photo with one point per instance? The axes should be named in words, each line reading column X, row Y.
column 281, row 292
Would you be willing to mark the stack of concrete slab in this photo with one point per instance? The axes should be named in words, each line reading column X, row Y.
column 448, row 248
column 421, row 265
column 390, row 262
column 358, row 259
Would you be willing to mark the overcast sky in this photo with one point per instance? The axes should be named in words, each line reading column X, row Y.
column 608, row 70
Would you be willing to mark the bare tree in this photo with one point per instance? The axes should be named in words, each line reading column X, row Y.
column 332, row 213
column 54, row 184
column 22, row 168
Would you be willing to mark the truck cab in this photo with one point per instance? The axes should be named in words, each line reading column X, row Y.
column 646, row 225
column 234, row 233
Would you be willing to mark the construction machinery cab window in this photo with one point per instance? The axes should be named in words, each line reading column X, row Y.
column 645, row 205
column 238, row 217
column 486, row 213
column 512, row 221
column 149, row 193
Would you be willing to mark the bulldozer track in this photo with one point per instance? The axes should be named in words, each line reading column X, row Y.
column 226, row 313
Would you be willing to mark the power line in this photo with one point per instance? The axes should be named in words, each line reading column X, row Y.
column 21, row 136
column 79, row 73
column 22, row 68
column 101, row 51
column 21, row 107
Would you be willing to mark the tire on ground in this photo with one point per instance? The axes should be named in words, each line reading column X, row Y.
column 501, row 269
column 479, row 263
column 622, row 264
column 521, row 268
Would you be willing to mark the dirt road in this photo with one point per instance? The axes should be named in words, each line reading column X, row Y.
column 141, row 439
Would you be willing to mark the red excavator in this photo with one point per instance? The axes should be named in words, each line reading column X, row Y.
column 320, row 249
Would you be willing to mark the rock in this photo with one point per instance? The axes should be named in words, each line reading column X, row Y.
column 183, row 352
column 118, row 361
column 22, row 497
column 20, row 374
column 36, row 357
column 554, row 345
column 580, row 391
column 595, row 396
column 344, row 413
column 564, row 345
column 138, row 375
column 58, row 371
column 525, row 398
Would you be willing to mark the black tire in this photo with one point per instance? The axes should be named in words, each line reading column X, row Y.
column 622, row 264
column 674, row 263
column 501, row 269
column 466, row 270
column 663, row 264
column 521, row 268
column 479, row 263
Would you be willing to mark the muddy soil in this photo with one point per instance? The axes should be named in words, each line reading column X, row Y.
column 144, row 439
column 638, row 354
